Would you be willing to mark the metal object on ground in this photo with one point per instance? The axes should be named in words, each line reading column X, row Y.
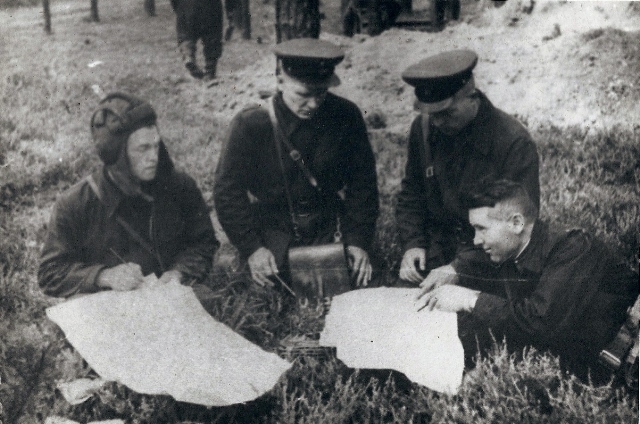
column 319, row 271
column 294, row 347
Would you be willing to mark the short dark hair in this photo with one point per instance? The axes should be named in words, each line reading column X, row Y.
column 488, row 193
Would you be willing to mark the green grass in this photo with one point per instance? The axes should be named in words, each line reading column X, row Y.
column 588, row 178
column 7, row 4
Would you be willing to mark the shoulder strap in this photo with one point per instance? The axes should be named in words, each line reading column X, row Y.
column 426, row 147
column 293, row 152
column 124, row 224
column 279, row 140
column 94, row 187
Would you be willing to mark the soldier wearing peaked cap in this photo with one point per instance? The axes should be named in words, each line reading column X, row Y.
column 458, row 138
column 269, row 200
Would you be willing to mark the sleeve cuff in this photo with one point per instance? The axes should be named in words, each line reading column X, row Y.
column 488, row 307
column 90, row 284
column 415, row 243
column 249, row 249
column 356, row 241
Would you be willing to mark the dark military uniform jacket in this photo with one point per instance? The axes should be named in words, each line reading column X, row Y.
column 565, row 291
column 197, row 19
column 334, row 146
column 84, row 237
column 429, row 211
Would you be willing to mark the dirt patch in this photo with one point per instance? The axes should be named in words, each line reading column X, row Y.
column 563, row 63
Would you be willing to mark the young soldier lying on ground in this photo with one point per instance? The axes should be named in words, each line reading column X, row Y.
column 560, row 290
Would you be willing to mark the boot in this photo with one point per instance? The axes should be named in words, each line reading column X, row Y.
column 212, row 50
column 229, row 32
column 150, row 7
column 210, row 70
column 188, row 51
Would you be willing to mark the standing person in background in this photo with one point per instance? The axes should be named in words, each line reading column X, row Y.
column 458, row 138
column 265, row 194
column 199, row 20
column 134, row 216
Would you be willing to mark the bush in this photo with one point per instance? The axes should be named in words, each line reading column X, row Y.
column 592, row 180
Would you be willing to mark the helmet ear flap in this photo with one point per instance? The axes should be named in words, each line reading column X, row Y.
column 117, row 116
column 106, row 131
column 115, row 124
column 98, row 118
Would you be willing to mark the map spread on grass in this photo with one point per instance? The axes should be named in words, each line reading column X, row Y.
column 160, row 340
column 379, row 328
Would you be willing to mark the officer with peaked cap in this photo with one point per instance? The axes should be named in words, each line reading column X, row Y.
column 266, row 201
column 458, row 138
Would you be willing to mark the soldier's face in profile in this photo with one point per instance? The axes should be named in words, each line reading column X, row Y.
column 301, row 98
column 142, row 152
column 495, row 233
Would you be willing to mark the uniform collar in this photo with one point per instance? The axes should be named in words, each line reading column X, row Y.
column 531, row 258
column 110, row 195
column 477, row 133
column 287, row 120
column 290, row 122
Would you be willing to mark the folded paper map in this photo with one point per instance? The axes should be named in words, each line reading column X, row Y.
column 159, row 340
column 380, row 328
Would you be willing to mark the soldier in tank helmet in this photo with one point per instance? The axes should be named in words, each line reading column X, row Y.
column 134, row 216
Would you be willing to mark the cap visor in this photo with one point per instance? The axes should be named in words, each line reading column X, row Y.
column 334, row 81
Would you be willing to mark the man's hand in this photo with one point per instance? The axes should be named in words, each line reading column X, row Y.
column 172, row 276
column 262, row 264
column 360, row 265
column 123, row 277
column 413, row 261
column 440, row 276
column 448, row 298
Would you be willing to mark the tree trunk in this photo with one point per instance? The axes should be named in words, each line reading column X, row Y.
column 374, row 23
column 150, row 7
column 297, row 19
column 47, row 16
column 94, row 11
column 238, row 18
column 245, row 19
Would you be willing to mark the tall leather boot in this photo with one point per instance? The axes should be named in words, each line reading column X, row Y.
column 212, row 50
column 188, row 52
column 210, row 70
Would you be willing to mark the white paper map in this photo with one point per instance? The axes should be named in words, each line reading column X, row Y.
column 380, row 328
column 160, row 340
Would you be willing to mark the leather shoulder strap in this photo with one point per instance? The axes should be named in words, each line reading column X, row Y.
column 124, row 224
column 293, row 152
column 426, row 147
column 280, row 140
column 94, row 187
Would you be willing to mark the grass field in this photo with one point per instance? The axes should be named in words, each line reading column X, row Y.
column 589, row 178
